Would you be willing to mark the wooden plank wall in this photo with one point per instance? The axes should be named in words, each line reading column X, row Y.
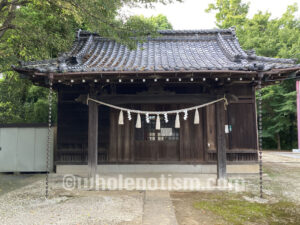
column 117, row 143
column 121, row 147
column 241, row 120
column 72, row 129
column 241, row 115
column 192, row 140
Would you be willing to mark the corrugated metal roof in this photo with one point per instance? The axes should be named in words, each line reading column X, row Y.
column 172, row 50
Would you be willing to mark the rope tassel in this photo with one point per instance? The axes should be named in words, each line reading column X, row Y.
column 138, row 121
column 157, row 125
column 121, row 118
column 177, row 121
column 166, row 118
column 147, row 118
column 196, row 118
column 129, row 115
column 185, row 116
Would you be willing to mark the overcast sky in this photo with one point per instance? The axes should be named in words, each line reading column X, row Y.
column 191, row 14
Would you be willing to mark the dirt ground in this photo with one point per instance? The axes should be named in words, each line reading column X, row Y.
column 22, row 199
column 281, row 182
column 187, row 214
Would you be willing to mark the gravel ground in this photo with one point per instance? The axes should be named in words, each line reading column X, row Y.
column 10, row 181
column 22, row 198
column 27, row 205
column 281, row 177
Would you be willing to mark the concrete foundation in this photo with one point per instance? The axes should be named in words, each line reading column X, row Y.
column 82, row 170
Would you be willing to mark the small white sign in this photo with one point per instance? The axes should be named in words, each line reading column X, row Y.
column 166, row 131
column 226, row 129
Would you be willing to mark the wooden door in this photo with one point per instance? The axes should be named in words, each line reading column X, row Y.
column 157, row 145
column 148, row 145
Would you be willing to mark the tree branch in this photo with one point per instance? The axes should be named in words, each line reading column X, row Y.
column 7, row 24
column 99, row 18
column 5, row 4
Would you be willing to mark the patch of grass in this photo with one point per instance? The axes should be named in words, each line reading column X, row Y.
column 270, row 172
column 235, row 210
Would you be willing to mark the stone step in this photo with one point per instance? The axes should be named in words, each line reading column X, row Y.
column 158, row 209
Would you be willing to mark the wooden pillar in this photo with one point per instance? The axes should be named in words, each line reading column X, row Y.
column 221, row 140
column 93, row 139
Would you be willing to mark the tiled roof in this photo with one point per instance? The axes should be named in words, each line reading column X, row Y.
column 172, row 50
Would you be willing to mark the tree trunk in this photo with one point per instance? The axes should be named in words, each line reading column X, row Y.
column 278, row 142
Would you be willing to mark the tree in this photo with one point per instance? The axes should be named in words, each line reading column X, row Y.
column 159, row 22
column 41, row 29
column 229, row 12
column 279, row 116
column 279, row 37
column 37, row 34
column 102, row 16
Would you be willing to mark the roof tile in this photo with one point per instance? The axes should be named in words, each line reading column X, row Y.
column 173, row 50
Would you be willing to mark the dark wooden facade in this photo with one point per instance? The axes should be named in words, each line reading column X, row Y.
column 189, row 144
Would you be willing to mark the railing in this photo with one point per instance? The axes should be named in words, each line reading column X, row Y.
column 77, row 154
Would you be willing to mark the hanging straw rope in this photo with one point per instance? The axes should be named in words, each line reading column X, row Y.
column 159, row 112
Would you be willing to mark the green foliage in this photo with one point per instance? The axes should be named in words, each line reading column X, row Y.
column 279, row 37
column 36, row 105
column 20, row 101
column 234, row 210
column 41, row 29
column 279, row 116
column 229, row 12
column 160, row 22
column 42, row 32
column 101, row 16
column 142, row 24
column 272, row 37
